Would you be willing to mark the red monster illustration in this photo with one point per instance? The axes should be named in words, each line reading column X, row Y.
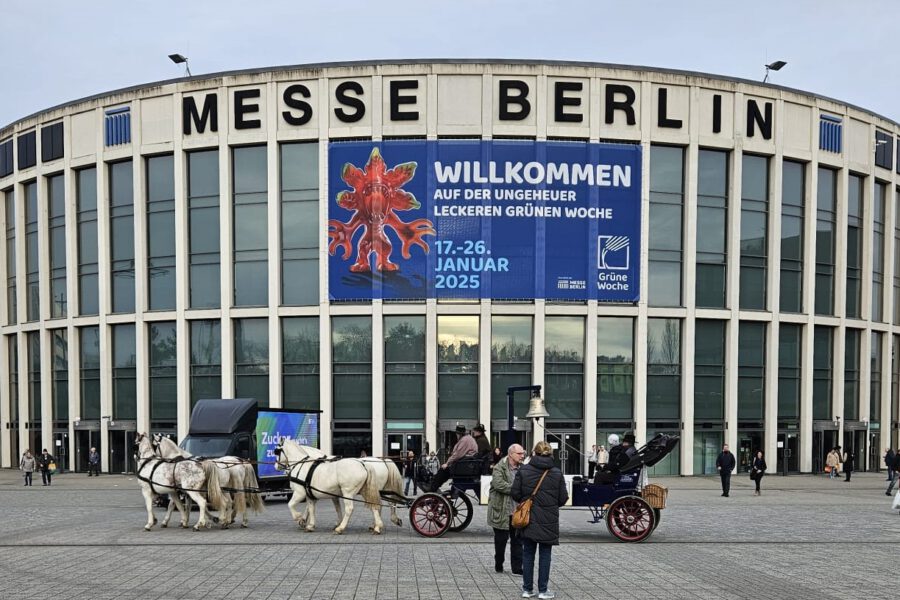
column 375, row 197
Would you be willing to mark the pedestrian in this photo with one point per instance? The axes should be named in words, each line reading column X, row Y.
column 27, row 466
column 848, row 465
column 496, row 457
column 758, row 470
column 889, row 462
column 592, row 461
column 431, row 463
column 94, row 463
column 544, row 484
column 602, row 457
column 895, row 471
column 47, row 464
column 725, row 464
column 501, row 507
column 833, row 462
column 409, row 473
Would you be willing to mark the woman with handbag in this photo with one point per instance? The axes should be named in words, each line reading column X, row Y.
column 758, row 470
column 540, row 489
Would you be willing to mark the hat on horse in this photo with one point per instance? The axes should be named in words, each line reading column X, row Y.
column 460, row 429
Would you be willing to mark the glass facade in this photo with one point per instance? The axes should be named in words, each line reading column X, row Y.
column 56, row 213
column 124, row 373
column 826, row 214
column 163, row 356
column 875, row 378
column 33, row 347
column 32, row 254
column 251, row 359
column 789, row 364
column 89, row 372
column 206, row 360
column 754, row 232
column 121, row 236
column 712, row 228
column 564, row 367
column 300, row 362
column 855, row 221
column 203, row 218
column 12, row 362
column 251, row 234
column 751, row 371
column 851, row 374
column 512, row 350
column 88, row 268
column 666, row 214
column 404, row 367
column 615, row 368
column 878, row 213
column 160, row 233
column 60, row 382
column 793, row 201
column 823, row 356
column 458, row 347
column 9, row 206
column 351, row 363
column 299, row 224
column 709, row 370
column 663, row 369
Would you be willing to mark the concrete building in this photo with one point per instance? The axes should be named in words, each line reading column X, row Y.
column 170, row 242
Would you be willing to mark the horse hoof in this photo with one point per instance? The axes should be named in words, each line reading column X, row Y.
column 196, row 528
column 148, row 527
column 184, row 526
column 371, row 528
column 243, row 526
column 164, row 525
column 376, row 532
column 338, row 532
column 310, row 529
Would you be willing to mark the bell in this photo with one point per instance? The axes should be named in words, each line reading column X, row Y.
column 537, row 410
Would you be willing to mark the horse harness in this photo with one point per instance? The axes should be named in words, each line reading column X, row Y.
column 159, row 461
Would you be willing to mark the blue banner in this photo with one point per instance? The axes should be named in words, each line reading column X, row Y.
column 475, row 219
column 274, row 425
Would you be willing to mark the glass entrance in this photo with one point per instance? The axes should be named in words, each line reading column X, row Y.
column 567, row 451
column 855, row 441
column 61, row 450
column 748, row 443
column 875, row 451
column 398, row 444
column 84, row 441
column 121, row 451
column 788, row 454
column 823, row 442
column 707, row 446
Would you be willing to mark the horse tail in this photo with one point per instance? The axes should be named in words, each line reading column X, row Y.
column 256, row 502
column 395, row 479
column 370, row 492
column 213, row 485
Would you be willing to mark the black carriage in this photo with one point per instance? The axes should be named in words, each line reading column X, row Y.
column 630, row 509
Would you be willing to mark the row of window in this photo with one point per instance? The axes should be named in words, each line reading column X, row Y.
column 299, row 193
column 666, row 241
column 458, row 367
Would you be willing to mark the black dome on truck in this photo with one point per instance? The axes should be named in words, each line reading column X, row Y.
column 223, row 416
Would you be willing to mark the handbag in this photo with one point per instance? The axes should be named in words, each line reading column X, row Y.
column 52, row 467
column 828, row 468
column 522, row 515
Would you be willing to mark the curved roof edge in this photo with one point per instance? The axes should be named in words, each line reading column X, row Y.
column 446, row 61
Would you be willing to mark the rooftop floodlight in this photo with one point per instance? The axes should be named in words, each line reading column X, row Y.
column 775, row 66
column 179, row 59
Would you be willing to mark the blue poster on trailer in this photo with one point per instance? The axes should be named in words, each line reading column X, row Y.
column 416, row 219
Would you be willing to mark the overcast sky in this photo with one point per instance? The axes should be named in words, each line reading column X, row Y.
column 54, row 51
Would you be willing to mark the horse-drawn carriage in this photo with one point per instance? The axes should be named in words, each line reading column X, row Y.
column 630, row 509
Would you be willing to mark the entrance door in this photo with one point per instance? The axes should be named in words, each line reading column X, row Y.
column 788, row 459
column 398, row 444
column 84, row 441
column 748, row 443
column 875, row 455
column 61, row 450
column 567, row 451
column 498, row 440
column 707, row 446
column 121, row 451
column 855, row 442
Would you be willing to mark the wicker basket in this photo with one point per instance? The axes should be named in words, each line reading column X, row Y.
column 655, row 495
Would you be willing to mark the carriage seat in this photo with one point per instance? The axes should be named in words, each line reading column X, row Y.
column 469, row 467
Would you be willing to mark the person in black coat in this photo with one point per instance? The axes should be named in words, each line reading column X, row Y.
column 44, row 461
column 542, row 532
column 725, row 464
column 848, row 464
column 758, row 470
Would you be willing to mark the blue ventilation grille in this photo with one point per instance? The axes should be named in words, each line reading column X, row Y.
column 830, row 134
column 117, row 127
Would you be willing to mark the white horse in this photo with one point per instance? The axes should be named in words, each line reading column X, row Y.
column 199, row 479
column 235, row 476
column 337, row 479
column 387, row 479
column 157, row 477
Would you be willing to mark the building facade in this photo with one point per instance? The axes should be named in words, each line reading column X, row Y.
column 170, row 242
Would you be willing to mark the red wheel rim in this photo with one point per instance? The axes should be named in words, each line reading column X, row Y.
column 630, row 519
column 430, row 516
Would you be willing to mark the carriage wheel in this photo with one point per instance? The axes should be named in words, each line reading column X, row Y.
column 630, row 519
column 657, row 514
column 430, row 515
column 461, row 509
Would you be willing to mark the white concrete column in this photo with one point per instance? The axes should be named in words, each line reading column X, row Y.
column 378, row 378
column 273, row 221
column 733, row 278
column 484, row 366
column 770, row 441
column 326, row 404
column 590, row 382
column 540, row 308
column 325, row 381
column 689, row 295
column 226, row 245
column 182, row 276
column 431, row 376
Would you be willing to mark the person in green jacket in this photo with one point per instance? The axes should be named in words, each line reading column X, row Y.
column 501, row 507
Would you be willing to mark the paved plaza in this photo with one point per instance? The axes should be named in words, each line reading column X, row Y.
column 805, row 537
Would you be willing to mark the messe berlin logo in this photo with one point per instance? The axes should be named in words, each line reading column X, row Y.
column 613, row 252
